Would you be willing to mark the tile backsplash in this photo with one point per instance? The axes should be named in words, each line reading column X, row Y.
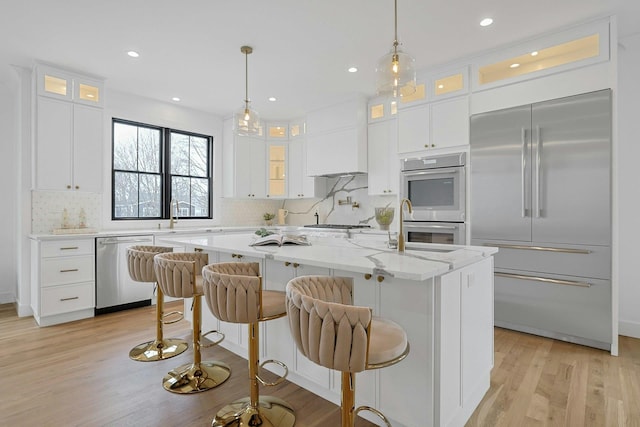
column 48, row 207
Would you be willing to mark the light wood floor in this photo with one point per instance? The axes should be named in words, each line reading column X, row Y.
column 79, row 374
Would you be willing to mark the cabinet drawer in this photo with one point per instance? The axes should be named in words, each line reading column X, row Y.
column 570, row 260
column 64, row 270
column 67, row 248
column 64, row 299
column 557, row 310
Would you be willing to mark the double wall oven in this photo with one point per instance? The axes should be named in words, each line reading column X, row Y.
column 436, row 187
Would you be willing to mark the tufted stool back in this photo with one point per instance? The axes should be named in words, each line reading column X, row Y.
column 178, row 273
column 140, row 262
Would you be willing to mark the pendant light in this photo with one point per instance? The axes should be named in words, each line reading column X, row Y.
column 396, row 74
column 247, row 121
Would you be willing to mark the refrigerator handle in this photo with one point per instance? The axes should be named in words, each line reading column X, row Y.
column 523, row 167
column 538, row 153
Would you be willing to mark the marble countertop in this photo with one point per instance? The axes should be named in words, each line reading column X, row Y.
column 160, row 232
column 418, row 262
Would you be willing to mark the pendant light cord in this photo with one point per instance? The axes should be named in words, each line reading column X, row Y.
column 246, row 79
column 395, row 26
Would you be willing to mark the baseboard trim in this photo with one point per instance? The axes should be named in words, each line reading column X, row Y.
column 629, row 329
column 7, row 298
column 23, row 310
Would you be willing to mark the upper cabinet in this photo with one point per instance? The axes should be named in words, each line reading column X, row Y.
column 277, row 160
column 337, row 139
column 68, row 86
column 383, row 162
column 69, row 132
column 436, row 125
column 244, row 165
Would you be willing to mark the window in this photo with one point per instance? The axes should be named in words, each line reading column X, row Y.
column 153, row 166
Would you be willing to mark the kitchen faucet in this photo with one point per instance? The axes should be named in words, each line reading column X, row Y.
column 172, row 219
column 401, row 234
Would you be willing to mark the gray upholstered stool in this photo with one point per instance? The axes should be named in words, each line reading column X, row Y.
column 234, row 294
column 178, row 276
column 140, row 263
column 333, row 333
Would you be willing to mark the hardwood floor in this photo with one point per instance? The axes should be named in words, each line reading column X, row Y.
column 79, row 374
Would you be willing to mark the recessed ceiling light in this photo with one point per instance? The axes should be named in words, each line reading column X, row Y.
column 486, row 22
column 175, row 98
column 516, row 65
column 534, row 53
column 353, row 69
column 272, row 98
column 133, row 54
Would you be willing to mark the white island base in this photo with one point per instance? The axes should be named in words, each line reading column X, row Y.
column 444, row 301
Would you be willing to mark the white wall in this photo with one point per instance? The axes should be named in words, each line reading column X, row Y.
column 9, row 192
column 629, row 195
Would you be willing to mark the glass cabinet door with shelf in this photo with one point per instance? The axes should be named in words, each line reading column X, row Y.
column 277, row 169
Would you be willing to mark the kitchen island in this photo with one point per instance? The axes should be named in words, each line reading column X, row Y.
column 442, row 295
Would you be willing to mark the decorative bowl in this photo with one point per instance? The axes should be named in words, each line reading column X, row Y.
column 384, row 217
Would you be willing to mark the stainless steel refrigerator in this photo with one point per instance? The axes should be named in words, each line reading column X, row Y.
column 541, row 192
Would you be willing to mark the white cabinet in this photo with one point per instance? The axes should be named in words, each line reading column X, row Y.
column 63, row 280
column 65, row 85
column 277, row 164
column 434, row 126
column 413, row 129
column 383, row 162
column 463, row 358
column 69, row 142
column 300, row 185
column 244, row 165
column 337, row 139
column 450, row 123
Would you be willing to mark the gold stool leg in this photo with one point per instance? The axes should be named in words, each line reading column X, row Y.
column 160, row 348
column 265, row 411
column 348, row 399
column 197, row 376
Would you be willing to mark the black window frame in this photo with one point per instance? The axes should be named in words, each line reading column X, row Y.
column 165, row 171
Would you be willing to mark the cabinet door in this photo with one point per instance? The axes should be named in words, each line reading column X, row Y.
column 87, row 148
column 382, row 158
column 450, row 123
column 258, row 169
column 277, row 165
column 278, row 344
column 297, row 167
column 413, row 129
column 250, row 168
column 53, row 146
column 500, row 180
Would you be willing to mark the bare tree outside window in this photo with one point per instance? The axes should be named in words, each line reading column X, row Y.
column 142, row 189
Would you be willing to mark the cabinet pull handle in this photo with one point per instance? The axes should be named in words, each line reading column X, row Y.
column 197, row 249
column 540, row 248
column 68, row 299
column 523, row 166
column 544, row 279
column 69, row 270
column 538, row 169
column 296, row 265
column 287, row 263
column 380, row 279
column 69, row 248
column 367, row 276
column 236, row 256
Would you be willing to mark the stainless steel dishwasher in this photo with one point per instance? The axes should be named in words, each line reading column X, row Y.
column 114, row 288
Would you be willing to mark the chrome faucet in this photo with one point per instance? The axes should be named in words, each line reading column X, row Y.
column 401, row 234
column 172, row 219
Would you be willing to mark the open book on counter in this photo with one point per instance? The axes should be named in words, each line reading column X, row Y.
column 281, row 239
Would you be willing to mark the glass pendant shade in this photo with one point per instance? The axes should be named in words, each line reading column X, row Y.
column 247, row 122
column 396, row 74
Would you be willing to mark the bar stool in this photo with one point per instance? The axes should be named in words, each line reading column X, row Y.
column 233, row 292
column 333, row 333
column 177, row 275
column 140, row 263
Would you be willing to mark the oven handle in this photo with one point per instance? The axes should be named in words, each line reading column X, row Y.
column 440, row 227
column 455, row 169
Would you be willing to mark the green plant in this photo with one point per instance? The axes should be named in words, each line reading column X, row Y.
column 268, row 216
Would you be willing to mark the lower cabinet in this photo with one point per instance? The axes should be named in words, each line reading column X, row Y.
column 62, row 280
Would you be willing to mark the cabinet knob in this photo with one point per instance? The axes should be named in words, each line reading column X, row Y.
column 367, row 276
column 433, row 145
column 236, row 256
column 68, row 187
column 296, row 265
column 77, row 187
column 380, row 279
column 426, row 145
column 287, row 263
column 267, row 195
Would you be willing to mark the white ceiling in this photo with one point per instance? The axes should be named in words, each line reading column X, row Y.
column 302, row 48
